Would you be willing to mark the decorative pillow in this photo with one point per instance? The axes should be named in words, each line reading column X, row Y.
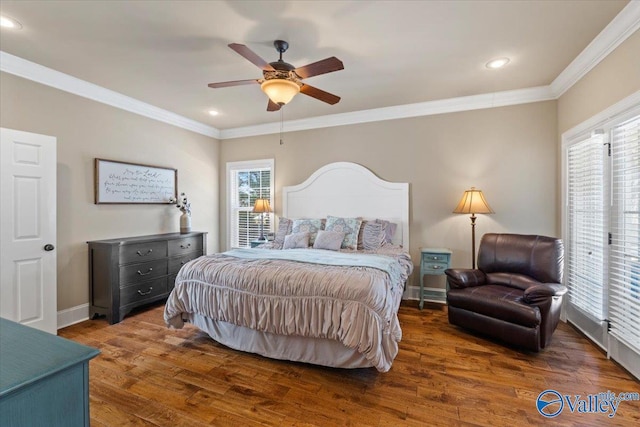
column 390, row 229
column 362, row 228
column 296, row 241
column 284, row 228
column 360, row 233
column 373, row 235
column 311, row 226
column 329, row 240
column 349, row 226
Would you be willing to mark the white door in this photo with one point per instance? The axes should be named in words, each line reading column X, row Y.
column 28, row 229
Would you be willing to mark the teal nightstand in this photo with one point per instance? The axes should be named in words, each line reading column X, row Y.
column 255, row 243
column 433, row 262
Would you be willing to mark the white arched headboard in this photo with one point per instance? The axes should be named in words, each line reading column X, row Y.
column 350, row 190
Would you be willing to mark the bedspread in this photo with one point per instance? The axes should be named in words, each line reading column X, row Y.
column 352, row 298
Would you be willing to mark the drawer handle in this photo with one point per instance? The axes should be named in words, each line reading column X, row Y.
column 435, row 257
column 145, row 293
column 144, row 274
column 186, row 247
column 435, row 267
column 148, row 252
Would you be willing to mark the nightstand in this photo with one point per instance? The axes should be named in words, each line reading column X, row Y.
column 255, row 243
column 433, row 262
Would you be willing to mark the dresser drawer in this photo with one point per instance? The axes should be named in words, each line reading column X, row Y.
column 427, row 257
column 141, row 252
column 143, row 291
column 176, row 263
column 434, row 267
column 135, row 273
column 184, row 246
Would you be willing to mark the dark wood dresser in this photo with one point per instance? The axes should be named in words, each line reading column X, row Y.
column 129, row 272
column 44, row 379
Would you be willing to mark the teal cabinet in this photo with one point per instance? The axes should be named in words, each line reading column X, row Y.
column 44, row 379
column 433, row 262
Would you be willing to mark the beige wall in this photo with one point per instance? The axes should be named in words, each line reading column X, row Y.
column 613, row 79
column 85, row 130
column 509, row 153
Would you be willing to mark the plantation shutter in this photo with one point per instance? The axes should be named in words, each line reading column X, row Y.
column 586, row 226
column 624, row 270
column 248, row 181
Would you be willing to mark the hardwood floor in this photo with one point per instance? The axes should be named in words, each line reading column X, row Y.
column 148, row 375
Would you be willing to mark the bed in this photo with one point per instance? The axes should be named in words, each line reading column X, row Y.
column 335, row 307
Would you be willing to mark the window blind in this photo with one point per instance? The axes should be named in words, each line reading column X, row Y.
column 624, row 269
column 248, row 181
column 586, row 226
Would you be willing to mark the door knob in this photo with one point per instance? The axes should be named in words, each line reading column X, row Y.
column 49, row 247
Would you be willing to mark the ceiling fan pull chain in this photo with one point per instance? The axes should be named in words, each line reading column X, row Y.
column 281, row 124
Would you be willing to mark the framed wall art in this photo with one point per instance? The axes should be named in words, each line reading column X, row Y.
column 132, row 183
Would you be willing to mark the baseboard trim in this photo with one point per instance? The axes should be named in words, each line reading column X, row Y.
column 411, row 293
column 73, row 315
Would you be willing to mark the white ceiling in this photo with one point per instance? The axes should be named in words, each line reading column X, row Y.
column 164, row 53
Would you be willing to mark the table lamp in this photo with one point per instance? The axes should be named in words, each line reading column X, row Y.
column 262, row 206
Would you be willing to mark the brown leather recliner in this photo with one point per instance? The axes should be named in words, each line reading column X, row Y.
column 516, row 292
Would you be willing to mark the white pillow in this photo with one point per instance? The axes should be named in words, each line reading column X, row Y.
column 296, row 241
column 329, row 240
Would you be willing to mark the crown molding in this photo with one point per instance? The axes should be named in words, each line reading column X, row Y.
column 30, row 70
column 625, row 105
column 619, row 29
column 452, row 105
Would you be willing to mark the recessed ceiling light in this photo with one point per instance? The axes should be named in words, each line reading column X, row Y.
column 213, row 112
column 497, row 63
column 8, row 22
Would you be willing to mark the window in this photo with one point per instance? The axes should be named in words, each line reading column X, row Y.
column 601, row 172
column 586, row 226
column 624, row 274
column 248, row 181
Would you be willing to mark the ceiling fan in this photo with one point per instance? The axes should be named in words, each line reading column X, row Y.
column 282, row 81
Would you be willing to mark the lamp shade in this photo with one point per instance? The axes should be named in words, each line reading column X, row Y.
column 473, row 202
column 261, row 206
column 280, row 91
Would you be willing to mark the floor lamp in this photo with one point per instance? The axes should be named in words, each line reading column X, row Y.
column 473, row 202
column 262, row 206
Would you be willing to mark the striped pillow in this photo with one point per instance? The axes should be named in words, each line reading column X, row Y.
column 373, row 235
column 284, row 228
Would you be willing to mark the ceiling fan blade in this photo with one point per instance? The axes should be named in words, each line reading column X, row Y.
column 321, row 67
column 272, row 106
column 251, row 56
column 316, row 93
column 232, row 83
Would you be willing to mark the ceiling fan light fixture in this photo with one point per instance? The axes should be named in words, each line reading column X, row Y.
column 280, row 91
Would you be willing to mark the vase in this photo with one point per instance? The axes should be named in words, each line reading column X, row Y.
column 185, row 223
